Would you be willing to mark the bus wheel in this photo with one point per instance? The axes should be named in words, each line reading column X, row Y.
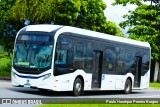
column 128, row 87
column 77, row 87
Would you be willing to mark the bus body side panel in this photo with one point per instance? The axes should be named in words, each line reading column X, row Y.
column 114, row 82
column 110, row 80
column 144, row 82
column 65, row 82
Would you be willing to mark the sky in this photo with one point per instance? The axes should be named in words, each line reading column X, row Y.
column 115, row 13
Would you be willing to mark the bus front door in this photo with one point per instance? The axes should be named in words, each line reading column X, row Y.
column 137, row 75
column 97, row 69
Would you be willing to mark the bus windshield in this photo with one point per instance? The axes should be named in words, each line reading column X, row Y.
column 30, row 55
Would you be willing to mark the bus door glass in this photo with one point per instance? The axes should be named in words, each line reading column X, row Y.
column 97, row 69
column 137, row 75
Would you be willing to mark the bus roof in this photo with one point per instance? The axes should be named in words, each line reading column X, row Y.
column 50, row 28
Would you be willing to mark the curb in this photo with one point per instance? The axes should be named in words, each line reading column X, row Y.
column 5, row 78
column 153, row 88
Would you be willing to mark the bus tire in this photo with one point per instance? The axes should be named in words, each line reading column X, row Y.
column 128, row 86
column 77, row 87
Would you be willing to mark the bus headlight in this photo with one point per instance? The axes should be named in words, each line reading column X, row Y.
column 46, row 76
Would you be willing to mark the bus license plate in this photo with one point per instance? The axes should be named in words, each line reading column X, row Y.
column 27, row 85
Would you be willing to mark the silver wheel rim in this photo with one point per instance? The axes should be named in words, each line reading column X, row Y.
column 78, row 87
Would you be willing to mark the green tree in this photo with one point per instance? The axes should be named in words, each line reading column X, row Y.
column 86, row 14
column 6, row 23
column 144, row 23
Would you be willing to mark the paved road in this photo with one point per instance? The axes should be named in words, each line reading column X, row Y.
column 7, row 91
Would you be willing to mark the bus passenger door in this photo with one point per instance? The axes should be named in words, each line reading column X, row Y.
column 137, row 75
column 97, row 69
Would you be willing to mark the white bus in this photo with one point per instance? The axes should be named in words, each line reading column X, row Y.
column 64, row 58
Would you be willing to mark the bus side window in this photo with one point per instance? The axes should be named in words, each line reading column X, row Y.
column 129, row 62
column 110, row 59
column 145, row 63
column 79, row 55
column 90, row 55
column 120, row 63
column 61, row 57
